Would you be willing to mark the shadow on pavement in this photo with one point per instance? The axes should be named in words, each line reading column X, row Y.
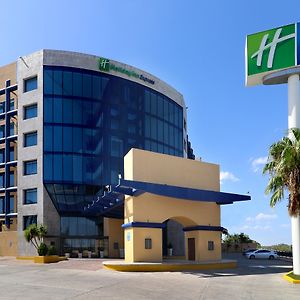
column 247, row 267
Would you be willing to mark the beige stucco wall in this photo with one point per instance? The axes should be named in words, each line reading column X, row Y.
column 147, row 166
column 113, row 229
column 8, row 243
column 8, row 72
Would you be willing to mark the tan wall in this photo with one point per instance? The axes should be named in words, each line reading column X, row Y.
column 161, row 168
column 158, row 209
column 8, row 243
column 201, row 244
column 135, row 244
column 113, row 229
column 147, row 166
column 8, row 72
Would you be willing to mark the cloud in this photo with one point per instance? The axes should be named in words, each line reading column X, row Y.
column 255, row 227
column 285, row 225
column 257, row 163
column 228, row 176
column 262, row 217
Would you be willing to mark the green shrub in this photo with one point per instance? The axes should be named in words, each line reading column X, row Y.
column 42, row 249
column 52, row 250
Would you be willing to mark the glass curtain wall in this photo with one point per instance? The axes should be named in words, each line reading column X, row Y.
column 91, row 120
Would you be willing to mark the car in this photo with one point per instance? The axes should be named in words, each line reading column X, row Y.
column 248, row 250
column 262, row 253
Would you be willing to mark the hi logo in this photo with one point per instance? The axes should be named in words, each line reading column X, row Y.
column 104, row 64
column 272, row 46
column 271, row 50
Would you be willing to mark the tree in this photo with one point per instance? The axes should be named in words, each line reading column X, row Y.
column 283, row 167
column 35, row 234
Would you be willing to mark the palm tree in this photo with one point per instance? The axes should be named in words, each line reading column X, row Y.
column 35, row 234
column 283, row 166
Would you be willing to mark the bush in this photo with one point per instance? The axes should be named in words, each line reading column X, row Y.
column 52, row 250
column 42, row 249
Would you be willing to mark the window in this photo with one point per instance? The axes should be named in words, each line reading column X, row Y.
column 30, row 111
column 12, row 178
column 2, row 180
column 12, row 128
column 12, row 104
column 2, row 156
column 2, row 107
column 28, row 220
column 11, row 204
column 30, row 84
column 30, row 167
column 2, row 205
column 211, row 245
column 30, row 196
column 11, row 154
column 2, row 131
column 148, row 243
column 30, row 139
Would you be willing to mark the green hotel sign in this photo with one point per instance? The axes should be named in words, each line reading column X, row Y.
column 106, row 66
column 270, row 51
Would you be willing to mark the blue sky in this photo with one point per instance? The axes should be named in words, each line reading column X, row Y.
column 198, row 48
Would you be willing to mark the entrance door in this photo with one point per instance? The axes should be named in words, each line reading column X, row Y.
column 191, row 249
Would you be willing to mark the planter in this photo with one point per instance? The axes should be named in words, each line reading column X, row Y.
column 46, row 259
column 79, row 255
column 101, row 253
column 89, row 254
column 67, row 255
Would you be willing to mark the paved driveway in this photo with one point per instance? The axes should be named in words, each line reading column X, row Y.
column 85, row 279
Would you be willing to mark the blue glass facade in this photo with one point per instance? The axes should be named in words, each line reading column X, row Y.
column 91, row 120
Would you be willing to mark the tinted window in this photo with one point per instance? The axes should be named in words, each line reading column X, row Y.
column 30, row 84
column 11, row 204
column 2, row 205
column 30, row 167
column 1, row 156
column 2, row 107
column 2, row 180
column 30, row 196
column 30, row 111
column 30, row 139
column 12, row 178
column 28, row 220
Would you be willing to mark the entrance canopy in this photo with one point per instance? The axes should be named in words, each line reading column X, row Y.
column 111, row 203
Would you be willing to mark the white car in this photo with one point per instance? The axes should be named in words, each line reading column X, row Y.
column 262, row 253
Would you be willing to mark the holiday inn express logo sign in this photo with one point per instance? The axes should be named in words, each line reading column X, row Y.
column 106, row 65
column 270, row 51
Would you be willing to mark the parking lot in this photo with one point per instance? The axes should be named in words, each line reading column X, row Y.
column 86, row 279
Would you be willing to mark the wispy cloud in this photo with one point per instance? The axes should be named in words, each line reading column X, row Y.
column 228, row 176
column 257, row 163
column 255, row 227
column 285, row 225
column 262, row 217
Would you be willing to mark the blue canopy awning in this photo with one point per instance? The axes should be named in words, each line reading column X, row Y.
column 111, row 202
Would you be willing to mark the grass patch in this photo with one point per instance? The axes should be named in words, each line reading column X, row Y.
column 293, row 276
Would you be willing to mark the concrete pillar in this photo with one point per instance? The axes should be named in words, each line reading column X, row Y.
column 294, row 121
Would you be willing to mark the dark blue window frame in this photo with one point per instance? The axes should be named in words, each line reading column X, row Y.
column 30, row 167
column 30, row 139
column 30, row 196
column 30, row 111
column 30, row 84
column 28, row 220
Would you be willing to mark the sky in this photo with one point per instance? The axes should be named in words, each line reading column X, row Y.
column 198, row 48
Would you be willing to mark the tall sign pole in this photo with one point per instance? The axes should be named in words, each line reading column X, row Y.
column 294, row 121
column 272, row 58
